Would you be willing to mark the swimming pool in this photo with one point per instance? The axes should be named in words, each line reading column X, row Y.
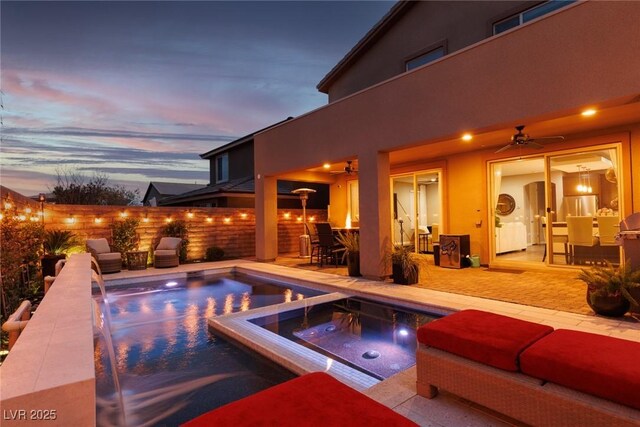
column 170, row 367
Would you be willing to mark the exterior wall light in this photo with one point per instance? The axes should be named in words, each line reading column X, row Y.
column 97, row 220
column 243, row 215
column 168, row 219
column 71, row 219
column 209, row 219
column 287, row 215
column 189, row 214
column 312, row 218
column 123, row 214
column 227, row 220
column 22, row 217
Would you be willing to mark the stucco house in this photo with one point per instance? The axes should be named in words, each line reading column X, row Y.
column 428, row 108
column 232, row 184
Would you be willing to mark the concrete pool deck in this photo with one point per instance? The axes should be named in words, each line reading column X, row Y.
column 398, row 392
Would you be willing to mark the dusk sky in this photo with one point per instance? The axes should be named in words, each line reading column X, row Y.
column 137, row 90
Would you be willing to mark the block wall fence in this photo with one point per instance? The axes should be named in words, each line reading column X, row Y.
column 232, row 229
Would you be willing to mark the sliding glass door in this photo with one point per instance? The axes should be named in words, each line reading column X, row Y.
column 416, row 209
column 557, row 209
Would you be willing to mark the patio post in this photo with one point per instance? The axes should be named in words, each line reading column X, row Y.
column 266, row 212
column 375, row 214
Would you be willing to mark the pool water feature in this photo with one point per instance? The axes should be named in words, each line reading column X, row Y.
column 375, row 338
column 170, row 368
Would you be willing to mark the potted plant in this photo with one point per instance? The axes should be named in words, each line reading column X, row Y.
column 57, row 243
column 125, row 237
column 608, row 289
column 351, row 243
column 404, row 266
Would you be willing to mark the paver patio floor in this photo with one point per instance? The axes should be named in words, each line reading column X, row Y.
column 555, row 289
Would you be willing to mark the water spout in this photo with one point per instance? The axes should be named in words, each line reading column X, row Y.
column 102, row 323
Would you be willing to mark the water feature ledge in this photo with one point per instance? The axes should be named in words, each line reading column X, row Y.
column 49, row 374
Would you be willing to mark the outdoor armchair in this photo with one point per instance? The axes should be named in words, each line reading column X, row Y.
column 109, row 262
column 167, row 252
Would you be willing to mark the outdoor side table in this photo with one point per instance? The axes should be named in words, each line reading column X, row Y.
column 137, row 260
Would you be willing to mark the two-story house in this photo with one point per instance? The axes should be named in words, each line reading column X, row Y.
column 232, row 183
column 428, row 109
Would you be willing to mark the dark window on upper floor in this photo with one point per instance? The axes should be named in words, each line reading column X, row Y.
column 425, row 58
column 222, row 168
column 529, row 14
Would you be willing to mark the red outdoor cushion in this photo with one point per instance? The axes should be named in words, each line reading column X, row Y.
column 484, row 337
column 315, row 399
column 603, row 366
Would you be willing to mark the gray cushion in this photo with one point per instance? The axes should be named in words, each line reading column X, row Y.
column 169, row 243
column 99, row 246
column 109, row 256
column 165, row 252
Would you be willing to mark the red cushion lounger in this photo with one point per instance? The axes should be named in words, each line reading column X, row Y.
column 603, row 366
column 484, row 337
column 315, row 399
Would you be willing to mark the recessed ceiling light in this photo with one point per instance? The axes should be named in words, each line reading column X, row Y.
column 467, row 137
column 326, row 166
column 588, row 113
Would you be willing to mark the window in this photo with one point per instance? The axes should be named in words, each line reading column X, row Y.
column 222, row 168
column 529, row 14
column 424, row 58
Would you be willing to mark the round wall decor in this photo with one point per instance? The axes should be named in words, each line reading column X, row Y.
column 506, row 204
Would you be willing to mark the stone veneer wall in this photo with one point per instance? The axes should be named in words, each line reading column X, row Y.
column 232, row 229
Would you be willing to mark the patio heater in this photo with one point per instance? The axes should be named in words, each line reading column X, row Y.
column 305, row 239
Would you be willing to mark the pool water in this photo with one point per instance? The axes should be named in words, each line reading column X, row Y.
column 375, row 338
column 170, row 367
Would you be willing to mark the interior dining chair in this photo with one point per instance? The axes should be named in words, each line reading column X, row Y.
column 434, row 237
column 608, row 228
column 556, row 238
column 580, row 239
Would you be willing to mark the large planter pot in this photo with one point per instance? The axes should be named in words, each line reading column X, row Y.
column 400, row 278
column 635, row 294
column 610, row 306
column 49, row 264
column 353, row 264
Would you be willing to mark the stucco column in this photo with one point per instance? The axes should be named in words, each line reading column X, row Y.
column 375, row 214
column 266, row 218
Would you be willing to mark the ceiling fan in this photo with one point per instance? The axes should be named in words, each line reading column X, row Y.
column 349, row 169
column 521, row 139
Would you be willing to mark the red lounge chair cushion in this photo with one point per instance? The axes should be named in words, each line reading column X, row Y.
column 603, row 366
column 315, row 399
column 487, row 338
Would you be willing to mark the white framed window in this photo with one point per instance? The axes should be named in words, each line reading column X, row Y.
column 529, row 14
column 222, row 168
column 424, row 58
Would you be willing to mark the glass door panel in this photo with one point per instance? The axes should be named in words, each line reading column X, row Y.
column 404, row 210
column 584, row 213
column 417, row 204
column 518, row 200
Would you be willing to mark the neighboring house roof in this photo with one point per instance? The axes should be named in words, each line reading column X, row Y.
column 374, row 34
column 239, row 141
column 245, row 185
column 171, row 188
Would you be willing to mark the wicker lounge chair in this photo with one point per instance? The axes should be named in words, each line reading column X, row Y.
column 109, row 262
column 167, row 252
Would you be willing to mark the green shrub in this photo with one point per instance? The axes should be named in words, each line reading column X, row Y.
column 125, row 236
column 19, row 263
column 214, row 254
column 60, row 242
column 178, row 229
